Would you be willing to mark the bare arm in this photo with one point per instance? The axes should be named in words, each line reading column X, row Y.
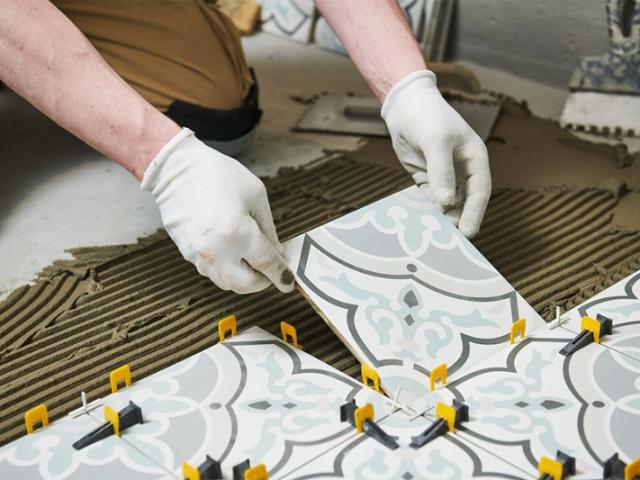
column 49, row 62
column 433, row 143
column 378, row 39
column 214, row 209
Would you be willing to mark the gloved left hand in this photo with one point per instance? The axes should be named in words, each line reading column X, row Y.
column 446, row 158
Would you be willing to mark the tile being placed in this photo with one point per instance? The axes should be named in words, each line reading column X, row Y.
column 406, row 291
column 621, row 303
column 48, row 454
column 448, row 457
column 292, row 19
column 528, row 401
column 250, row 397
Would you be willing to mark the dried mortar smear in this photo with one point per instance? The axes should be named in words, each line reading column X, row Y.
column 144, row 305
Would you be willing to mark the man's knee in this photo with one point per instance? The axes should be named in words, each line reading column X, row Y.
column 171, row 51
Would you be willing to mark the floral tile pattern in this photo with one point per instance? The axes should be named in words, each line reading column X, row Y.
column 621, row 303
column 406, row 291
column 449, row 457
column 255, row 397
column 417, row 12
column 250, row 397
column 47, row 454
column 292, row 19
column 528, row 401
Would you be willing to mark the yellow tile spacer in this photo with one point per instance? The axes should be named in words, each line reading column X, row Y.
column 190, row 472
column 120, row 374
column 361, row 415
column 548, row 466
column 448, row 413
column 111, row 416
column 370, row 377
column 518, row 327
column 592, row 325
column 438, row 373
column 227, row 325
column 289, row 334
column 36, row 414
column 632, row 470
column 259, row 472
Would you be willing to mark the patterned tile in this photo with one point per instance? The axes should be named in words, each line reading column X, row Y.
column 416, row 12
column 48, row 454
column 528, row 401
column 621, row 303
column 406, row 291
column 251, row 397
column 449, row 457
column 292, row 19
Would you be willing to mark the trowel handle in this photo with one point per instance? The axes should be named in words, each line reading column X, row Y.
column 362, row 112
column 624, row 27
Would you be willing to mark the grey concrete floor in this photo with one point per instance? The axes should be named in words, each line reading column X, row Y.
column 56, row 193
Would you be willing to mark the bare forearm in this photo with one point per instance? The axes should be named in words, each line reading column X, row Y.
column 50, row 63
column 378, row 39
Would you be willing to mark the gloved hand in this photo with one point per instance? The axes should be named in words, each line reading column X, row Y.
column 439, row 149
column 217, row 213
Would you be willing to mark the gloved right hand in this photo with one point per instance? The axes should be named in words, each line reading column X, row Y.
column 446, row 158
column 217, row 213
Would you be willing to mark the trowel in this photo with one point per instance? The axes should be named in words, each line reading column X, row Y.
column 606, row 89
column 353, row 115
column 361, row 116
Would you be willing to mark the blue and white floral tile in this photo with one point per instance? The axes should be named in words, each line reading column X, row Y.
column 417, row 13
column 250, row 397
column 291, row 19
column 449, row 457
column 621, row 303
column 48, row 454
column 405, row 291
column 528, row 401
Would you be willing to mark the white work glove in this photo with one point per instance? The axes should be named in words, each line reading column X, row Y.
column 439, row 149
column 217, row 213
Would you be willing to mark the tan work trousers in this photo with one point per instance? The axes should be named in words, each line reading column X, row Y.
column 167, row 49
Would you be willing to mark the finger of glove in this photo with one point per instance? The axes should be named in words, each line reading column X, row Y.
column 241, row 278
column 415, row 164
column 264, row 257
column 441, row 173
column 478, row 186
column 420, row 178
column 264, row 219
column 208, row 268
column 425, row 188
column 412, row 159
column 454, row 215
